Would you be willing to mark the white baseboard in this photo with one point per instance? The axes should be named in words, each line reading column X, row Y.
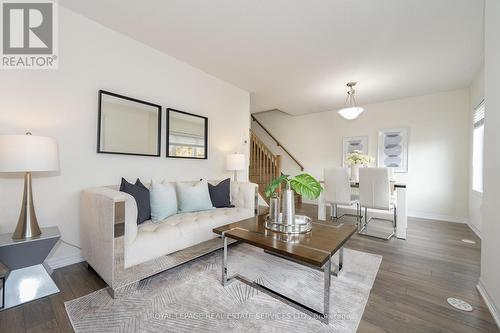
column 495, row 313
column 438, row 217
column 475, row 230
column 55, row 263
column 421, row 215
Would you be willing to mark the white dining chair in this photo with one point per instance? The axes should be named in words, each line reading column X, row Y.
column 338, row 191
column 375, row 193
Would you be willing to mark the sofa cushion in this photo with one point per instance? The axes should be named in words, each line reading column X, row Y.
column 141, row 196
column 220, row 194
column 193, row 197
column 163, row 200
column 179, row 231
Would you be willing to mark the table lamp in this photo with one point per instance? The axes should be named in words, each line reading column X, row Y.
column 235, row 162
column 28, row 153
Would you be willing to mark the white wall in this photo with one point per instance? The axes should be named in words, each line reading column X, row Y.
column 438, row 174
column 63, row 104
column 490, row 268
column 288, row 165
column 475, row 198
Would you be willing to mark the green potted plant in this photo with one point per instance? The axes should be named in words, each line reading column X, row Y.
column 303, row 184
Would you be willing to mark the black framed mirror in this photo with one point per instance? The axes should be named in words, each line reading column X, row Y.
column 128, row 126
column 187, row 135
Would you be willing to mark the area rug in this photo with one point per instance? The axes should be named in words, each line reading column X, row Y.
column 190, row 298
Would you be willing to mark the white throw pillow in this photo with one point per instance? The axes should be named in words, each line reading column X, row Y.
column 194, row 197
column 163, row 200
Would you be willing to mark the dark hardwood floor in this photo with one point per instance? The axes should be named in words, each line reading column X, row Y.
column 409, row 295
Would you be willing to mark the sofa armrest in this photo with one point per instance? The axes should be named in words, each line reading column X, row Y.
column 106, row 215
column 244, row 195
column 99, row 204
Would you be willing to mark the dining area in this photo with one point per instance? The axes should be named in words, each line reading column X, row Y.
column 373, row 199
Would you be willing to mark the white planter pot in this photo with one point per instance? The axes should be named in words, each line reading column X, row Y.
column 355, row 172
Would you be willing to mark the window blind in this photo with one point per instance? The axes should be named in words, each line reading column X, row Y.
column 478, row 117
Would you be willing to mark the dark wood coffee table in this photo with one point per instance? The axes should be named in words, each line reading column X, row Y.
column 313, row 249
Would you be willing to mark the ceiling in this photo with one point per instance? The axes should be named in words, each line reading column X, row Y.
column 296, row 56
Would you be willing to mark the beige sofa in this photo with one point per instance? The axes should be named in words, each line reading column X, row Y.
column 123, row 253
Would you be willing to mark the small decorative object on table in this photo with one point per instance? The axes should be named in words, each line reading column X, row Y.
column 355, row 160
column 287, row 221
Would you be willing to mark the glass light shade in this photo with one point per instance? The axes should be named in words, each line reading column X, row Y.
column 28, row 153
column 351, row 113
column 235, row 162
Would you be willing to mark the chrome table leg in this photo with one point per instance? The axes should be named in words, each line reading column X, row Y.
column 395, row 224
column 338, row 268
column 224, row 261
column 326, row 296
column 334, row 211
column 327, row 273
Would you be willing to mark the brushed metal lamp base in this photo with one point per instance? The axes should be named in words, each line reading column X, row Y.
column 27, row 225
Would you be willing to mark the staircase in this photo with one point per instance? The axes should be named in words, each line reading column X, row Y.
column 264, row 165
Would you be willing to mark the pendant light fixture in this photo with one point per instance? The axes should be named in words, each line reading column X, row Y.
column 351, row 111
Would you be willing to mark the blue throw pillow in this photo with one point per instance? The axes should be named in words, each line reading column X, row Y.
column 193, row 197
column 141, row 196
column 163, row 200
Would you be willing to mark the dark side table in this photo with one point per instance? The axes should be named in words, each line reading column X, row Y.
column 27, row 276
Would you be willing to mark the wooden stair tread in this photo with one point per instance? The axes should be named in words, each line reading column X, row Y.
column 264, row 166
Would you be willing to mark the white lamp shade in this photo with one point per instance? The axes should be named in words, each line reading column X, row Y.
column 235, row 162
column 351, row 113
column 28, row 153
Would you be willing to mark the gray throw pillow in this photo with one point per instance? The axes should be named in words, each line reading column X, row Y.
column 141, row 196
column 220, row 194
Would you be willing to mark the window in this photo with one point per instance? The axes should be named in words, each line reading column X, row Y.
column 183, row 144
column 477, row 148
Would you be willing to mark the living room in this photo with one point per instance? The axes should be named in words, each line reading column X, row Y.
column 265, row 85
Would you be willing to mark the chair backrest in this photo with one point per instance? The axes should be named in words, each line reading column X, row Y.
column 374, row 188
column 337, row 186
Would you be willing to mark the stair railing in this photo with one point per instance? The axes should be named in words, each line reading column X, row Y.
column 278, row 143
column 264, row 165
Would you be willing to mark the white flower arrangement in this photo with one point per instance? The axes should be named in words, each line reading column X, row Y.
column 357, row 158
